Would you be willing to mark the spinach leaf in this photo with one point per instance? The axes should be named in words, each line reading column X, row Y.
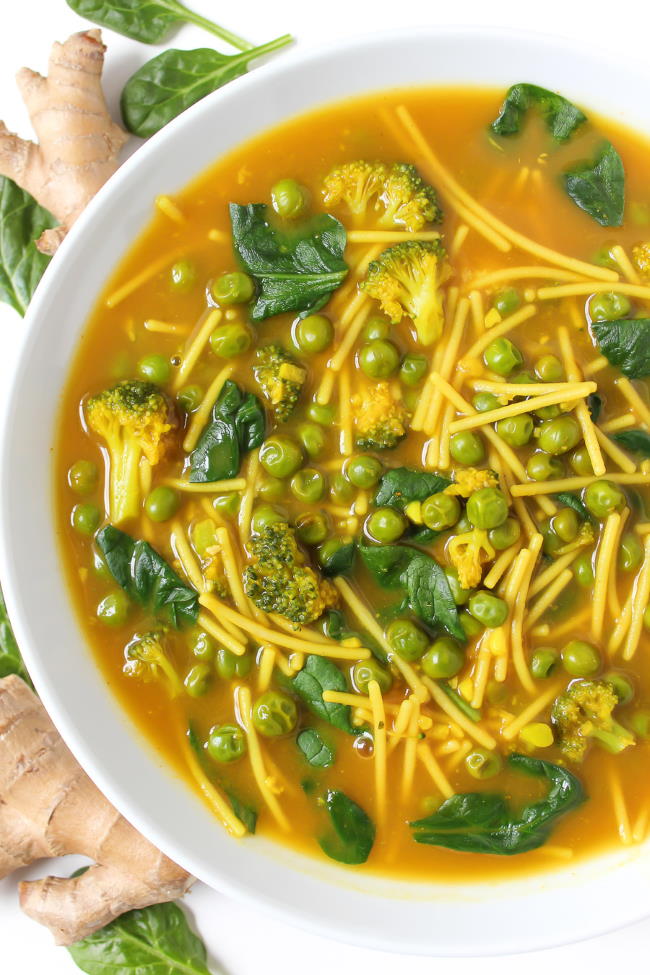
column 318, row 675
column 22, row 221
column 483, row 822
column 472, row 713
column 595, row 406
column 626, row 344
column 294, row 270
column 561, row 116
column 386, row 563
column 317, row 752
column 247, row 814
column 154, row 940
column 353, row 830
column 573, row 501
column 169, row 83
column 242, row 811
column 401, row 485
column 146, row 577
column 636, row 441
column 429, row 595
column 340, row 562
column 335, row 627
column 236, row 425
column 597, row 186
column 11, row 661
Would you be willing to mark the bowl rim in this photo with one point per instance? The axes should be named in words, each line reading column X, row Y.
column 53, row 697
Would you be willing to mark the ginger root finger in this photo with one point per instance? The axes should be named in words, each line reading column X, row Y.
column 48, row 808
column 78, row 142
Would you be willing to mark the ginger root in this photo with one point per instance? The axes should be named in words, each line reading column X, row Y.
column 78, row 142
column 48, row 808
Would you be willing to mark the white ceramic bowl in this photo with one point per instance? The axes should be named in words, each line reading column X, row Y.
column 504, row 916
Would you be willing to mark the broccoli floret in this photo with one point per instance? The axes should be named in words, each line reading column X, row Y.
column 135, row 419
column 278, row 581
column 584, row 713
column 147, row 660
column 467, row 553
column 407, row 201
column 281, row 379
column 380, row 419
column 641, row 255
column 406, row 280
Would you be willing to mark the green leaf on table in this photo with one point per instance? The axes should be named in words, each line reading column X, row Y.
column 155, row 940
column 401, row 485
column 636, row 441
column 597, row 186
column 625, row 343
column 295, row 270
column 236, row 425
column 315, row 749
column 11, row 661
column 485, row 822
column 149, row 21
column 560, row 115
column 146, row 577
column 320, row 674
column 353, row 832
column 22, row 221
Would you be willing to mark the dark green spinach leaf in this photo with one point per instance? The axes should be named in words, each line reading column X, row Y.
column 597, row 186
column 317, row 752
column 320, row 674
column 459, row 701
column 294, row 270
column 340, row 562
column 245, row 813
column 11, row 661
column 22, row 221
column 146, row 577
column 386, row 563
column 595, row 406
column 625, row 342
column 561, row 116
column 336, row 628
column 236, row 425
column 636, row 441
column 429, row 595
column 401, row 485
column 483, row 822
column 573, row 501
column 353, row 830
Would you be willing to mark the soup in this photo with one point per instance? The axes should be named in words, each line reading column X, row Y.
column 352, row 475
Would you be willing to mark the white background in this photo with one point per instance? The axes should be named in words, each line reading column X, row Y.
column 240, row 941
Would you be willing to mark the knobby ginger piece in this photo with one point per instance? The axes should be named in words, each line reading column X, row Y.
column 78, row 142
column 48, row 808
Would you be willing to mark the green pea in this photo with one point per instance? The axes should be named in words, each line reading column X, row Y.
column 100, row 568
column 275, row 714
column 280, row 456
column 162, row 503
column 407, row 640
column 204, row 535
column 560, row 435
column 228, row 504
column 271, row 488
column 602, row 498
column 551, row 541
column 341, row 490
column 543, row 467
column 113, row 610
column 583, row 571
column 487, row 508
column 154, row 369
column 549, row 369
column 566, row 524
column 640, row 724
column 516, row 430
column 506, row 301
column 440, row 511
column 482, row 764
column 467, row 448
column 630, row 554
column 485, row 402
column 311, row 529
column 366, row 670
column 543, row 662
column 312, row 437
column 314, row 333
column 496, row 692
column 603, row 258
column 580, row 462
column 458, row 594
column 523, row 377
column 621, row 685
column 488, row 609
column 502, row 357
column 375, row 328
column 470, row 626
column 379, row 358
column 328, row 550
column 83, row 477
column 230, row 665
column 189, row 398
column 413, row 369
column 230, row 340
column 547, row 412
column 463, row 524
column 182, row 276
column 581, row 659
column 505, row 535
column 322, row 414
column 386, row 525
column 234, row 288
column 203, row 646
column 197, row 680
column 226, row 743
column 609, row 306
column 265, row 515
column 86, row 518
column 363, row 470
column 443, row 659
column 308, row 485
column 289, row 198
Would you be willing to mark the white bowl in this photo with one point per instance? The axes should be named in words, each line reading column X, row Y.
column 437, row 919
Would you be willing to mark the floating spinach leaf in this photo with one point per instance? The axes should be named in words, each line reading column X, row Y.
column 472, row 713
column 573, row 501
column 318, row 675
column 11, row 661
column 236, row 425
column 597, row 186
column 335, row 627
column 429, row 595
column 401, row 485
column 146, row 577
column 595, row 406
column 483, row 822
column 353, row 830
column 625, row 343
column 294, row 270
column 340, row 562
column 386, row 563
column 561, row 116
column 247, row 814
column 317, row 752
column 22, row 221
column 155, row 940
column 636, row 441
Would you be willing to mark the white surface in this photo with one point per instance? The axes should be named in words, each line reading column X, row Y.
column 33, row 26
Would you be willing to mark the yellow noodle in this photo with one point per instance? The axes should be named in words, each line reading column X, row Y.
column 596, row 365
column 591, row 287
column 548, row 575
column 512, row 321
column 582, row 411
column 410, row 753
column 445, row 704
column 326, row 388
column 516, row 626
column 379, row 752
column 389, row 236
column 248, row 498
column 548, row 597
column 213, row 487
column 640, row 829
column 221, row 634
column 627, row 267
column 618, row 801
column 500, row 565
column 604, row 559
column 641, row 596
column 478, row 312
column 165, row 328
column 618, row 423
column 148, row 272
column 233, row 572
column 612, row 589
column 345, row 412
column 510, row 390
column 265, row 669
column 458, row 239
column 481, row 671
column 217, row 802
column 574, row 484
column 519, row 273
column 524, row 406
column 167, row 206
column 400, row 724
column 243, row 698
column 531, row 711
column 200, row 417
column 196, row 347
column 615, row 453
column 362, row 613
column 186, row 556
column 352, row 333
column 439, row 778
column 633, row 398
column 622, row 625
column 448, row 361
